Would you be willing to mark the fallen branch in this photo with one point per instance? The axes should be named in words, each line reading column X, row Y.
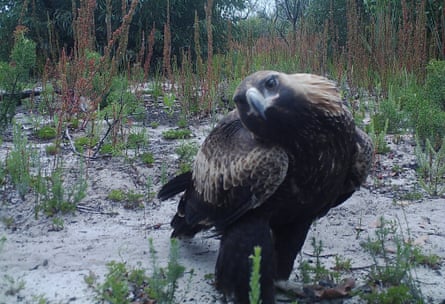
column 158, row 226
column 73, row 148
column 319, row 255
column 87, row 209
column 110, row 127
column 21, row 95
column 102, row 140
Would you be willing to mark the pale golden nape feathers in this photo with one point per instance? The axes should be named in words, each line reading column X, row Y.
column 318, row 90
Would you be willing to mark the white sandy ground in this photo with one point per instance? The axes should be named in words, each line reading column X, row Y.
column 54, row 263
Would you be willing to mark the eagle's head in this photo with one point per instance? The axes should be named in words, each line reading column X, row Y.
column 272, row 104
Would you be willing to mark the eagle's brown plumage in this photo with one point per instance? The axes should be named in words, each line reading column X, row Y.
column 284, row 157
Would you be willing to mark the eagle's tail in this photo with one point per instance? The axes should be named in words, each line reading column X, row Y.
column 181, row 227
column 176, row 185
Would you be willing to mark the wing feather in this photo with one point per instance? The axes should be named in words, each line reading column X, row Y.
column 233, row 174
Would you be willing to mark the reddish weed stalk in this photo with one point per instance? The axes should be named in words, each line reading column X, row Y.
column 83, row 78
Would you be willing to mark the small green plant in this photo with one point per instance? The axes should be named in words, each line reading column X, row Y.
column 378, row 137
column 107, row 149
column 40, row 299
column 163, row 282
column 342, row 264
column 154, row 124
column 320, row 271
column 393, row 295
column 91, row 279
column 254, row 284
column 147, row 158
column 396, row 169
column 20, row 161
column 116, row 195
column 2, row 242
column 431, row 170
column 9, row 222
column 47, row 132
column 186, row 152
column 130, row 199
column 432, row 261
column 85, row 142
column 411, row 196
column 124, row 284
column 51, row 149
column 137, row 140
column 177, row 133
column 74, row 123
column 139, row 112
column 13, row 286
column 392, row 272
column 53, row 196
column 133, row 200
column 392, row 269
column 57, row 224
column 149, row 188
column 163, row 173
column 314, row 273
column 156, row 86
column 306, row 270
column 182, row 122
column 116, row 287
column 169, row 102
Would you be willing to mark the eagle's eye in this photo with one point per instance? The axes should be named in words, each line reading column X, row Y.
column 271, row 83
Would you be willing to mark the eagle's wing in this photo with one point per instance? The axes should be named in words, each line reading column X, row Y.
column 363, row 159
column 361, row 165
column 233, row 173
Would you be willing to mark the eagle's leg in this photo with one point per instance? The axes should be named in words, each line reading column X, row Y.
column 288, row 240
column 234, row 267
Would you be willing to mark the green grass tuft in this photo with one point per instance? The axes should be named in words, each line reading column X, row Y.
column 46, row 133
column 177, row 134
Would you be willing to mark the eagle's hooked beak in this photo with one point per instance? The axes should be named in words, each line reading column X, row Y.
column 258, row 103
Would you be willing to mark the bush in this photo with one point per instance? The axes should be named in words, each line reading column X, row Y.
column 390, row 112
column 14, row 75
column 429, row 122
column 434, row 84
column 426, row 104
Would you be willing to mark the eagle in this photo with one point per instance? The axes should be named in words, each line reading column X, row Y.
column 286, row 155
